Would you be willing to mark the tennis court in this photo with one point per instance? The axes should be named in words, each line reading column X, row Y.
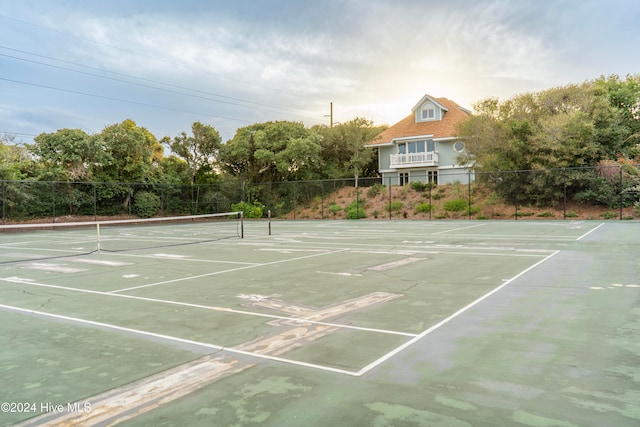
column 345, row 323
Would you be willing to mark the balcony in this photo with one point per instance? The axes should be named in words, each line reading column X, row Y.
column 413, row 160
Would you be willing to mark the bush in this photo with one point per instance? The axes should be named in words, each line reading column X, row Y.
column 395, row 206
column 334, row 209
column 423, row 208
column 420, row 186
column 146, row 204
column 456, row 205
column 250, row 210
column 374, row 190
column 355, row 211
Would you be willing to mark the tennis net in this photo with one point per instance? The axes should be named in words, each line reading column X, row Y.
column 28, row 242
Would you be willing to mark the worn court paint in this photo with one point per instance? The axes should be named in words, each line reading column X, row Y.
column 54, row 268
column 394, row 264
column 546, row 330
column 134, row 399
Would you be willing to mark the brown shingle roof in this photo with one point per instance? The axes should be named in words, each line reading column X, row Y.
column 408, row 127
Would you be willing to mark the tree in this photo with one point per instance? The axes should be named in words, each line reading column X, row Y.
column 199, row 150
column 344, row 150
column 272, row 152
column 66, row 155
column 14, row 160
column 564, row 127
column 132, row 153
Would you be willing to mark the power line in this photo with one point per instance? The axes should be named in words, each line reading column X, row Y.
column 119, row 99
column 143, row 55
column 142, row 79
column 142, row 85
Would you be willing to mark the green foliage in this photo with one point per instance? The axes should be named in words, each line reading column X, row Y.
column 344, row 150
column 374, row 190
column 355, row 210
column 571, row 126
column 272, row 152
column 131, row 154
column 146, row 204
column 456, row 205
column 423, row 208
column 250, row 210
column 395, row 206
column 197, row 150
column 420, row 186
column 334, row 209
column 609, row 215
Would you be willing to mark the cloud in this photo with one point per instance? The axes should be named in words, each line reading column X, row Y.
column 286, row 60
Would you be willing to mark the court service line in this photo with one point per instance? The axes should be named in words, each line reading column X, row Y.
column 590, row 231
column 177, row 339
column 207, row 307
column 182, row 279
column 458, row 229
column 438, row 325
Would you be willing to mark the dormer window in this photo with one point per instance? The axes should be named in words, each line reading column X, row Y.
column 428, row 111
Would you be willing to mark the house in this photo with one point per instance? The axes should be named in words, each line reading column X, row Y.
column 423, row 146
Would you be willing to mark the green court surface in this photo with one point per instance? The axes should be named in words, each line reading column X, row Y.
column 343, row 323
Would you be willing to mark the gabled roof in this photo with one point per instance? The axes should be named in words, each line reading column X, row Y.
column 408, row 127
column 428, row 98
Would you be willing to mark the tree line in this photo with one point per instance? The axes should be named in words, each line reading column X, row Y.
column 595, row 123
column 126, row 152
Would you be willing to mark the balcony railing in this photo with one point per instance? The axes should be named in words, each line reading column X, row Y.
column 414, row 159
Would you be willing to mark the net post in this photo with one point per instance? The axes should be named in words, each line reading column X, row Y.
column 98, row 236
column 269, row 220
column 241, row 216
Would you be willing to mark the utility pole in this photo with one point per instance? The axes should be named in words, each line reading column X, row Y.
column 331, row 114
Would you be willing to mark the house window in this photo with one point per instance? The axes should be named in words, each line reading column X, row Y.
column 458, row 146
column 428, row 111
column 416, row 147
column 403, row 178
column 432, row 177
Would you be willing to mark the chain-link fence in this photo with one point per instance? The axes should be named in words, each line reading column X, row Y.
column 76, row 201
column 572, row 193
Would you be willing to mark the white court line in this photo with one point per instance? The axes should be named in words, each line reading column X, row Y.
column 182, row 279
column 177, row 339
column 206, row 307
column 459, row 228
column 590, row 231
column 409, row 343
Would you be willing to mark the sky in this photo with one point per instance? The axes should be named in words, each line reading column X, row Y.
column 88, row 64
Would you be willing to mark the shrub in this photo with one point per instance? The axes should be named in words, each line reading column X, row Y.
column 250, row 210
column 395, row 206
column 545, row 214
column 455, row 205
column 420, row 186
column 608, row 215
column 423, row 208
column 334, row 209
column 374, row 190
column 146, row 204
column 355, row 211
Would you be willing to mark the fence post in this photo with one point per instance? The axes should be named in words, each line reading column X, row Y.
column 469, row 201
column 515, row 191
column 95, row 202
column 431, row 184
column 3, row 202
column 53, row 201
column 620, row 172
column 564, row 191
column 389, row 202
